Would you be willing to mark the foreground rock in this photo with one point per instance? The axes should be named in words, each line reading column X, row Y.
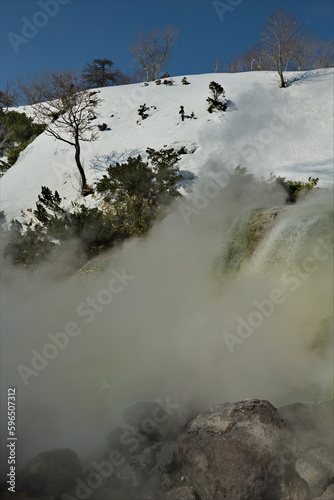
column 234, row 451
column 241, row 451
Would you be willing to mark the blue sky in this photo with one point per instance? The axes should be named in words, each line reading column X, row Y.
column 83, row 30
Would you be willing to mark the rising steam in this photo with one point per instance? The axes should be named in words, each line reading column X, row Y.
column 161, row 320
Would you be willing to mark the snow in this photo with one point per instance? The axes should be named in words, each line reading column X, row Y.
column 267, row 129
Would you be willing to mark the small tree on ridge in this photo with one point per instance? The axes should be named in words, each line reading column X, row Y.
column 61, row 103
column 152, row 50
column 280, row 37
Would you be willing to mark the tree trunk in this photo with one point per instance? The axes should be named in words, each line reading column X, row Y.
column 282, row 82
column 85, row 189
column 280, row 72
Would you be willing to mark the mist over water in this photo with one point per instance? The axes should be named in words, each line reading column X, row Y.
column 162, row 320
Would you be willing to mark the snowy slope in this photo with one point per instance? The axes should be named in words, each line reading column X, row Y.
column 265, row 128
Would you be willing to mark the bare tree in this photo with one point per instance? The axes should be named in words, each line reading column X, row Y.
column 152, row 50
column 305, row 51
column 31, row 87
column 235, row 65
column 326, row 54
column 139, row 76
column 8, row 97
column 253, row 59
column 279, row 39
column 60, row 102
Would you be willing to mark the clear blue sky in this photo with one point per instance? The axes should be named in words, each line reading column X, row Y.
column 83, row 30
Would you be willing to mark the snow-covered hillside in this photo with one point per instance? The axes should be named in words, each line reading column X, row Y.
column 265, row 128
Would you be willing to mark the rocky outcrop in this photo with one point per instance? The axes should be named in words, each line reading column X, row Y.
column 241, row 451
column 247, row 450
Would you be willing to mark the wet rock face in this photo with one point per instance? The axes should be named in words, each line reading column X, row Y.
column 241, row 450
column 53, row 472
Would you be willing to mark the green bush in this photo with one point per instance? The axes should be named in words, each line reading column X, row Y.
column 139, row 190
column 45, row 235
column 131, row 177
column 294, row 189
column 134, row 215
column 22, row 127
column 217, row 101
column 154, row 179
column 135, row 193
column 17, row 130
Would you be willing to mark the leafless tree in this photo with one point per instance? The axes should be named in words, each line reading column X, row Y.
column 253, row 59
column 235, row 65
column 326, row 54
column 305, row 51
column 279, row 38
column 152, row 50
column 61, row 103
column 31, row 87
column 139, row 76
column 8, row 97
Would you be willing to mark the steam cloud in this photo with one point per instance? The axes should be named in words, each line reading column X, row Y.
column 162, row 332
